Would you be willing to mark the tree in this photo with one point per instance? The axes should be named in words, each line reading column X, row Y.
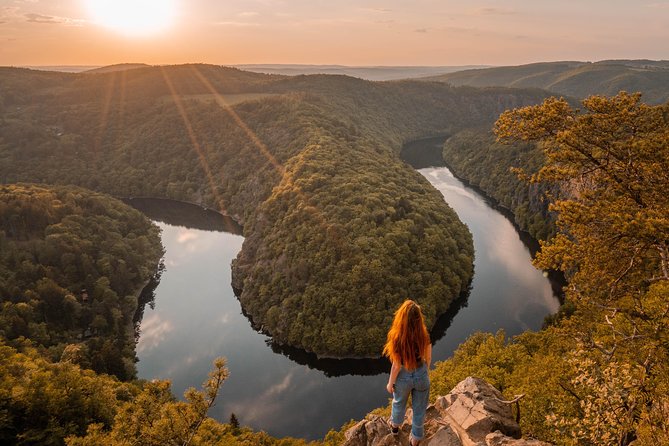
column 154, row 418
column 234, row 422
column 44, row 402
column 611, row 162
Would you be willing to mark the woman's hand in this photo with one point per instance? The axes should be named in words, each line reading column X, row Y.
column 389, row 387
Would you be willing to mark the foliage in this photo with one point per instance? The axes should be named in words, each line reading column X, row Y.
column 613, row 245
column 474, row 154
column 154, row 417
column 72, row 263
column 308, row 165
column 45, row 403
column 42, row 402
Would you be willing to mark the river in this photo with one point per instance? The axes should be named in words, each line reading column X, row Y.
column 287, row 392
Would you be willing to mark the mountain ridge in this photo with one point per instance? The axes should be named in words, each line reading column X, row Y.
column 573, row 78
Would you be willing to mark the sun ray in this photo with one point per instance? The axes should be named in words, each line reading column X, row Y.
column 195, row 143
column 104, row 118
column 264, row 150
column 220, row 100
column 123, row 92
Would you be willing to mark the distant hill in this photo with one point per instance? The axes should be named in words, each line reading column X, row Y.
column 88, row 68
column 62, row 68
column 577, row 79
column 372, row 73
column 117, row 67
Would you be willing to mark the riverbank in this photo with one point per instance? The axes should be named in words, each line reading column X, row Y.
column 428, row 152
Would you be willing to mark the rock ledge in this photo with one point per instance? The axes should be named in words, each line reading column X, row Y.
column 472, row 414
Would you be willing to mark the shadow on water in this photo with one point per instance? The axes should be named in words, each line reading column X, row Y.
column 446, row 319
column 332, row 367
column 147, row 297
column 424, row 152
column 188, row 215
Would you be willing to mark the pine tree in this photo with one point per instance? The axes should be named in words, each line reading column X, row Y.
column 234, row 422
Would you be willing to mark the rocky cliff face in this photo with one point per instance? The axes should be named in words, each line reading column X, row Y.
column 472, row 414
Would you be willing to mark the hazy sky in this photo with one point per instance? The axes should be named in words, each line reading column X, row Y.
column 364, row 32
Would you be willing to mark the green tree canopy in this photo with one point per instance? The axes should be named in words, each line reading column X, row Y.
column 72, row 265
column 611, row 160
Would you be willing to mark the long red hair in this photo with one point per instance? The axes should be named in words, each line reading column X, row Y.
column 408, row 339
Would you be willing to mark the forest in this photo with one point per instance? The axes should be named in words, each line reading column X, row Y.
column 312, row 172
column 72, row 266
column 598, row 373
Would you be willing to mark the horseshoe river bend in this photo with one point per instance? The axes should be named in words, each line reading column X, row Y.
column 194, row 317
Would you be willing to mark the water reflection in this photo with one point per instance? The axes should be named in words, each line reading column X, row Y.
column 507, row 292
column 153, row 332
column 446, row 320
column 147, row 297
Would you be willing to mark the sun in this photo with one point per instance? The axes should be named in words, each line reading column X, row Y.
column 132, row 17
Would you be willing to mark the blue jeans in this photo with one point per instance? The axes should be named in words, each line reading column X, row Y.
column 416, row 383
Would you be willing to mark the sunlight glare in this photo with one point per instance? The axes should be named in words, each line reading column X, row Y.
column 132, row 17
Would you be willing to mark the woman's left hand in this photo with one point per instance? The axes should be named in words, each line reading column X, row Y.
column 389, row 387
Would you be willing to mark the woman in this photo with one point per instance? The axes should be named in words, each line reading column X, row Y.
column 409, row 349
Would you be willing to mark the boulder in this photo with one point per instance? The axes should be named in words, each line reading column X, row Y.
column 499, row 439
column 479, row 409
column 472, row 414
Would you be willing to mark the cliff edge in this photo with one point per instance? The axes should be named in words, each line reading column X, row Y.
column 474, row 413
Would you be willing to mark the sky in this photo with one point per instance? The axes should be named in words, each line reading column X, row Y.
column 345, row 32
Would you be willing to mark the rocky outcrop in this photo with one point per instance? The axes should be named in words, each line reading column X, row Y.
column 472, row 414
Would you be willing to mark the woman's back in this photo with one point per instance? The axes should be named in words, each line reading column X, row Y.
column 409, row 349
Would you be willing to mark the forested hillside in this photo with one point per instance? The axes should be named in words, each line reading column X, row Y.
column 474, row 155
column 599, row 375
column 72, row 265
column 308, row 164
column 575, row 79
